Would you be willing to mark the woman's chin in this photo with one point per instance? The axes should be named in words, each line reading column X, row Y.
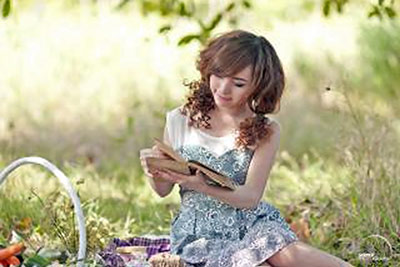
column 222, row 102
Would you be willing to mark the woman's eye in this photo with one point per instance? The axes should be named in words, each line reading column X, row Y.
column 239, row 85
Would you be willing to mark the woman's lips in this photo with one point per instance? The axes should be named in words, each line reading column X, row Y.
column 224, row 98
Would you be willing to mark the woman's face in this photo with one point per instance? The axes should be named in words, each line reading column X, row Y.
column 233, row 91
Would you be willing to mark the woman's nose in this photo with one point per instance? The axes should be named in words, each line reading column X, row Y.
column 224, row 87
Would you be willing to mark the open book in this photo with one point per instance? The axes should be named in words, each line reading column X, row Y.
column 178, row 164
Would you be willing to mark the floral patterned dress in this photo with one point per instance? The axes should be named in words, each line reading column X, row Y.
column 208, row 232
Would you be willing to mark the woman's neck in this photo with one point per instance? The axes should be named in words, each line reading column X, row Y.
column 232, row 117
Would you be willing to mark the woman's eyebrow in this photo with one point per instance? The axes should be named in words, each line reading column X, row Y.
column 238, row 78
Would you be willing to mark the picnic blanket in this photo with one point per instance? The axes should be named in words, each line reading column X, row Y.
column 153, row 245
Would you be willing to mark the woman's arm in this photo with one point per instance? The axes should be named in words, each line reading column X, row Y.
column 160, row 186
column 248, row 195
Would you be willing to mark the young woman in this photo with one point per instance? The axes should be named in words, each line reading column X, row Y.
column 223, row 124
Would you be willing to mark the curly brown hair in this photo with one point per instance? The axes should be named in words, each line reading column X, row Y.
column 225, row 56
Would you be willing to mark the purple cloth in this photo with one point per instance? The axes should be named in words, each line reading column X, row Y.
column 153, row 246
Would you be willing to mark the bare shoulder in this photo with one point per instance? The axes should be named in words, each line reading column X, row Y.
column 272, row 140
column 275, row 126
column 264, row 155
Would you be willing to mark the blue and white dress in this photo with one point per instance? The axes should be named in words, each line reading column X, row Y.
column 208, row 232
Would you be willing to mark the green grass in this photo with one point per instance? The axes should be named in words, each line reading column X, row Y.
column 345, row 208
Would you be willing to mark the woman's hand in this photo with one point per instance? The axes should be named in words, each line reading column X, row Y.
column 153, row 152
column 195, row 182
column 160, row 186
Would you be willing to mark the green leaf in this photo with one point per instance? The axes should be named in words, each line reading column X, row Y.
column 380, row 2
column 165, row 28
column 6, row 8
column 182, row 9
column 185, row 11
column 188, row 38
column 53, row 254
column 339, row 6
column 204, row 36
column 37, row 261
column 246, row 4
column 233, row 21
column 390, row 12
column 122, row 4
column 326, row 8
column 214, row 22
column 201, row 24
column 148, row 7
column 230, row 7
column 375, row 12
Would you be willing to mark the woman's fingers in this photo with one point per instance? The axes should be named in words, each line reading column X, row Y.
column 153, row 173
column 145, row 153
column 152, row 152
column 192, row 182
column 159, row 153
column 200, row 174
column 167, row 175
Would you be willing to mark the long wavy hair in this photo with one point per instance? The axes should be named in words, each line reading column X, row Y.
column 227, row 55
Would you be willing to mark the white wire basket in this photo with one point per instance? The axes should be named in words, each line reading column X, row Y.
column 65, row 182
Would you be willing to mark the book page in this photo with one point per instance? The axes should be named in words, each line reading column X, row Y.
column 178, row 164
column 168, row 150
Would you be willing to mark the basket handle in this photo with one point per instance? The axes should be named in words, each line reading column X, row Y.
column 80, row 220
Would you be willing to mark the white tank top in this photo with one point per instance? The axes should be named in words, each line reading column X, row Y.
column 180, row 133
